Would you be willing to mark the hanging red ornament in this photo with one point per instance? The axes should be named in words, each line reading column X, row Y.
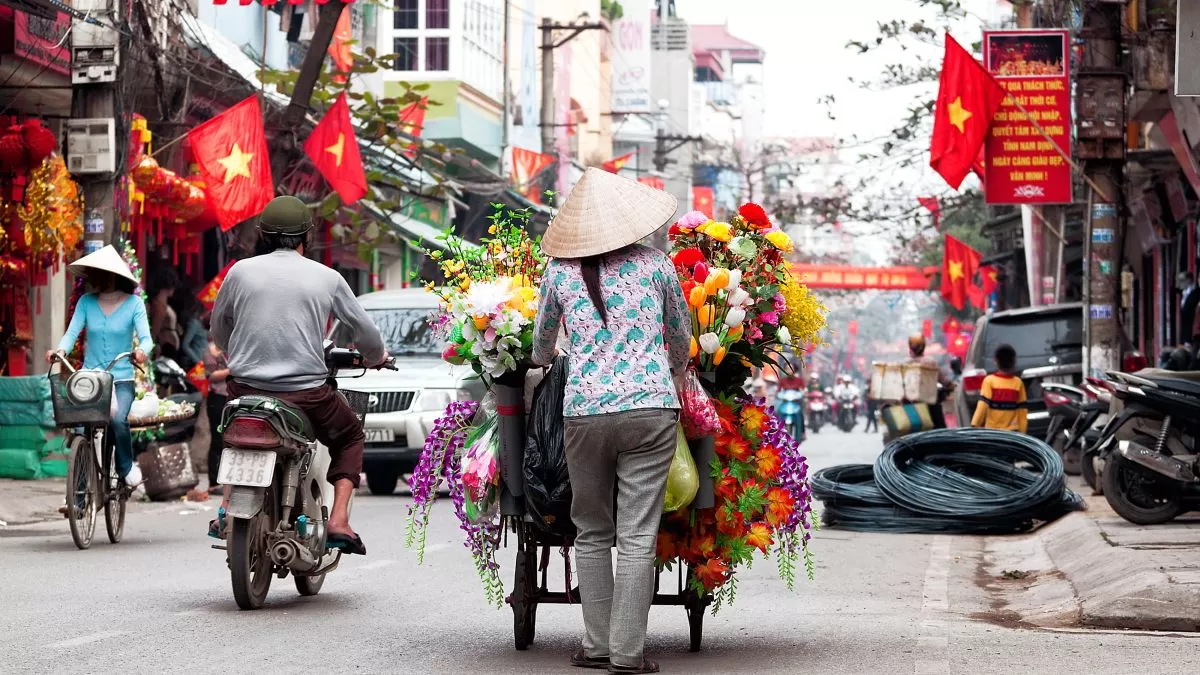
column 12, row 151
column 160, row 187
column 178, row 192
column 39, row 141
column 144, row 172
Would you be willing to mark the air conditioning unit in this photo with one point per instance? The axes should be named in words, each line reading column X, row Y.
column 91, row 146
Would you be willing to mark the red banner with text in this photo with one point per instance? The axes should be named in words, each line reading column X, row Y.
column 1023, row 166
column 843, row 276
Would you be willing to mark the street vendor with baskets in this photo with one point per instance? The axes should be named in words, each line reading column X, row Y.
column 629, row 330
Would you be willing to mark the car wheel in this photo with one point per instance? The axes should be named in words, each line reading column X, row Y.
column 382, row 482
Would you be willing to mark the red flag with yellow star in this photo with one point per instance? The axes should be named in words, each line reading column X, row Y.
column 968, row 98
column 959, row 263
column 702, row 200
column 615, row 164
column 412, row 122
column 231, row 151
column 333, row 149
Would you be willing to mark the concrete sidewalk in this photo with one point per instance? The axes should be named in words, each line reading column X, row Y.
column 1096, row 569
column 30, row 501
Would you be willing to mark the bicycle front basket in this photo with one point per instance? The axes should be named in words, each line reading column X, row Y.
column 359, row 402
column 82, row 397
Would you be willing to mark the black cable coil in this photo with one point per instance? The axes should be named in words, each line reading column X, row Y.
column 977, row 481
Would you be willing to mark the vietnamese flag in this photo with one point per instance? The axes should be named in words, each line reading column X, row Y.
column 333, row 149
column 968, row 98
column 989, row 279
column 527, row 165
column 959, row 263
column 978, row 166
column 339, row 47
column 615, row 164
column 208, row 295
column 702, row 200
column 653, row 181
column 934, row 207
column 231, row 151
column 412, row 122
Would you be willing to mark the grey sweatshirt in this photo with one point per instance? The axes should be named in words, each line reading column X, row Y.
column 271, row 316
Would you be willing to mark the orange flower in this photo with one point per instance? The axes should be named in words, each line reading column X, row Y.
column 706, row 544
column 727, row 488
column 730, row 522
column 760, row 537
column 768, row 462
column 779, row 506
column 733, row 445
column 753, row 418
column 735, row 333
column 667, row 548
column 697, row 297
column 719, row 355
column 705, row 316
column 716, row 280
column 694, row 349
column 712, row 573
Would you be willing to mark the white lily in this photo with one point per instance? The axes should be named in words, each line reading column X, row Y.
column 735, row 317
column 710, row 342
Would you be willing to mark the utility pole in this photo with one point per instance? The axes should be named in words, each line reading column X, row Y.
column 505, row 116
column 1101, row 129
column 548, row 27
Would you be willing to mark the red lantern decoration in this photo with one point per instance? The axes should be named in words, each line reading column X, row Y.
column 39, row 141
column 160, row 189
column 12, row 150
column 144, row 173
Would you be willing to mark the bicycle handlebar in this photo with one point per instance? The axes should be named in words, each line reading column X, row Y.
column 62, row 359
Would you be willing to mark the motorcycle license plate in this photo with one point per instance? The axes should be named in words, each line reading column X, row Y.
column 254, row 468
column 379, row 435
column 818, row 407
column 1057, row 379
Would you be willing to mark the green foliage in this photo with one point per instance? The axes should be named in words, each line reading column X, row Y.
column 611, row 10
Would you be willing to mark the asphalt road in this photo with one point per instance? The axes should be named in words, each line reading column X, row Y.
column 160, row 602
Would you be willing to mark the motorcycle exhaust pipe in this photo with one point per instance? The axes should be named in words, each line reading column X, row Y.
column 293, row 556
column 1158, row 462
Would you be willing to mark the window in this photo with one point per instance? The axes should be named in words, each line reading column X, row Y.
column 405, row 15
column 437, row 53
column 406, row 53
column 437, row 14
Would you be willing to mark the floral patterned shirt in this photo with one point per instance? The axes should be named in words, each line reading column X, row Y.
column 626, row 364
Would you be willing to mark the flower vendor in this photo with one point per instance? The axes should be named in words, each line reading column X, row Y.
column 629, row 328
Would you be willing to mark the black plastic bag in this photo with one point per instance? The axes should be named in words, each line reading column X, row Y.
column 547, row 483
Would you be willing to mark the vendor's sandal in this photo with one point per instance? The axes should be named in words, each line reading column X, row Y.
column 346, row 543
column 580, row 659
column 216, row 526
column 647, row 666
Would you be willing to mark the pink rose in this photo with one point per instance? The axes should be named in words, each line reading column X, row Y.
column 769, row 318
column 693, row 219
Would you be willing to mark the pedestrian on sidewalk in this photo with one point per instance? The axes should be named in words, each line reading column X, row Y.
column 217, row 369
column 1002, row 397
column 622, row 408
column 872, row 416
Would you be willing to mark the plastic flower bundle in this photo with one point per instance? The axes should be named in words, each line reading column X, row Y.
column 762, row 506
column 734, row 278
column 490, row 296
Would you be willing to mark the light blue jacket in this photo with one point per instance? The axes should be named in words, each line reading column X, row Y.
column 109, row 334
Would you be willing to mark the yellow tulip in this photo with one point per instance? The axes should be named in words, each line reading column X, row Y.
column 736, row 332
column 719, row 356
column 705, row 315
column 694, row 349
column 721, row 276
column 780, row 240
column 697, row 297
column 481, row 322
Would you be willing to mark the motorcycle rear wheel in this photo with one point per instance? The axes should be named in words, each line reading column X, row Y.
column 250, row 566
column 1140, row 495
column 310, row 586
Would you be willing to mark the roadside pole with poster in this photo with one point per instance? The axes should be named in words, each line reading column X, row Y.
column 1023, row 166
column 631, row 59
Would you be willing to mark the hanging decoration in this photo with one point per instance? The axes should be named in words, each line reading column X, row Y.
column 53, row 212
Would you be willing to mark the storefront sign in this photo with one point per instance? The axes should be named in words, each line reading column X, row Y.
column 43, row 41
column 1103, row 211
column 631, row 58
column 845, row 277
column 93, row 223
column 1023, row 165
column 92, row 245
column 1101, row 311
column 1103, row 235
column 22, row 315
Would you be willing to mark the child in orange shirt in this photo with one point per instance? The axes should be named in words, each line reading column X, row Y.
column 1002, row 398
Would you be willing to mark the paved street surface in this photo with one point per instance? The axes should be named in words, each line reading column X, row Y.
column 160, row 602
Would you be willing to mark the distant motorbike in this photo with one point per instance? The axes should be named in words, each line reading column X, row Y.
column 818, row 410
column 790, row 410
column 847, row 411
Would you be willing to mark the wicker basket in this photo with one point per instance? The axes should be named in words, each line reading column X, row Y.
column 168, row 471
column 139, row 422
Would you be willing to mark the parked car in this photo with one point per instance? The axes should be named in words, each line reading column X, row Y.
column 1049, row 345
column 405, row 402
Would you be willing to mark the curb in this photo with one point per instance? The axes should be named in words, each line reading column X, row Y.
column 1118, row 587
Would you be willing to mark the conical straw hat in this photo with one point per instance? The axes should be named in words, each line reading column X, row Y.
column 106, row 259
column 606, row 212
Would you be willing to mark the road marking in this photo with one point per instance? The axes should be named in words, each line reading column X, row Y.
column 375, row 565
column 932, row 641
column 84, row 640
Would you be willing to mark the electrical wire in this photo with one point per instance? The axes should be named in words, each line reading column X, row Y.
column 968, row 481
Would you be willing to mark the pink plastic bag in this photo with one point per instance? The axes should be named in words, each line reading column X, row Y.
column 698, row 414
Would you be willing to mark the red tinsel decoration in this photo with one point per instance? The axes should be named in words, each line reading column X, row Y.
column 39, row 141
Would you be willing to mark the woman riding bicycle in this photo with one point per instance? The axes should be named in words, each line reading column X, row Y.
column 111, row 313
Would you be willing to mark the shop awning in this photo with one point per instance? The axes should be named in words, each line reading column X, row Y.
column 413, row 229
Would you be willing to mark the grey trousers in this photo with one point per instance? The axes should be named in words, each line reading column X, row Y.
column 632, row 452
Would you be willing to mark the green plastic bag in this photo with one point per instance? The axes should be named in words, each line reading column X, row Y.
column 683, row 480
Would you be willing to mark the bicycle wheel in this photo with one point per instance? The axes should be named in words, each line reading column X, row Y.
column 115, row 493
column 82, row 489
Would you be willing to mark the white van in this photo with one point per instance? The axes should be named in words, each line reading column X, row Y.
column 405, row 402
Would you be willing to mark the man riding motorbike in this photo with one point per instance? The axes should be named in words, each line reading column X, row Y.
column 270, row 320
column 846, row 396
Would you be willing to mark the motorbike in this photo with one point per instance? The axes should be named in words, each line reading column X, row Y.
column 818, row 410
column 790, row 410
column 279, row 499
column 847, row 411
column 1146, row 460
column 170, row 378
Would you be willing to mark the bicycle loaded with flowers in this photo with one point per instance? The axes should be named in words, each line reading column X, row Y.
column 747, row 311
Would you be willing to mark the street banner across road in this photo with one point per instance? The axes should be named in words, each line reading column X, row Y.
column 845, row 277
column 1023, row 166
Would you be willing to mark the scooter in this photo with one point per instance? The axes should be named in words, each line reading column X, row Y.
column 790, row 410
column 818, row 410
column 847, row 411
column 279, row 499
column 1150, row 471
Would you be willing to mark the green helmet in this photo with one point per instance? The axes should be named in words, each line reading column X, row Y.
column 285, row 215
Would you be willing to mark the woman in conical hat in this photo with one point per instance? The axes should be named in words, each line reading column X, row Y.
column 629, row 329
column 112, row 313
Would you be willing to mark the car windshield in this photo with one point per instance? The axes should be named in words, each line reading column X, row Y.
column 1036, row 338
column 406, row 332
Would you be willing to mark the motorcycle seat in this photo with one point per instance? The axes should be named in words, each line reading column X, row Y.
column 1190, row 387
column 1158, row 374
column 294, row 420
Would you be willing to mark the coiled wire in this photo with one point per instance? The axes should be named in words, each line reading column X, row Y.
column 970, row 481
